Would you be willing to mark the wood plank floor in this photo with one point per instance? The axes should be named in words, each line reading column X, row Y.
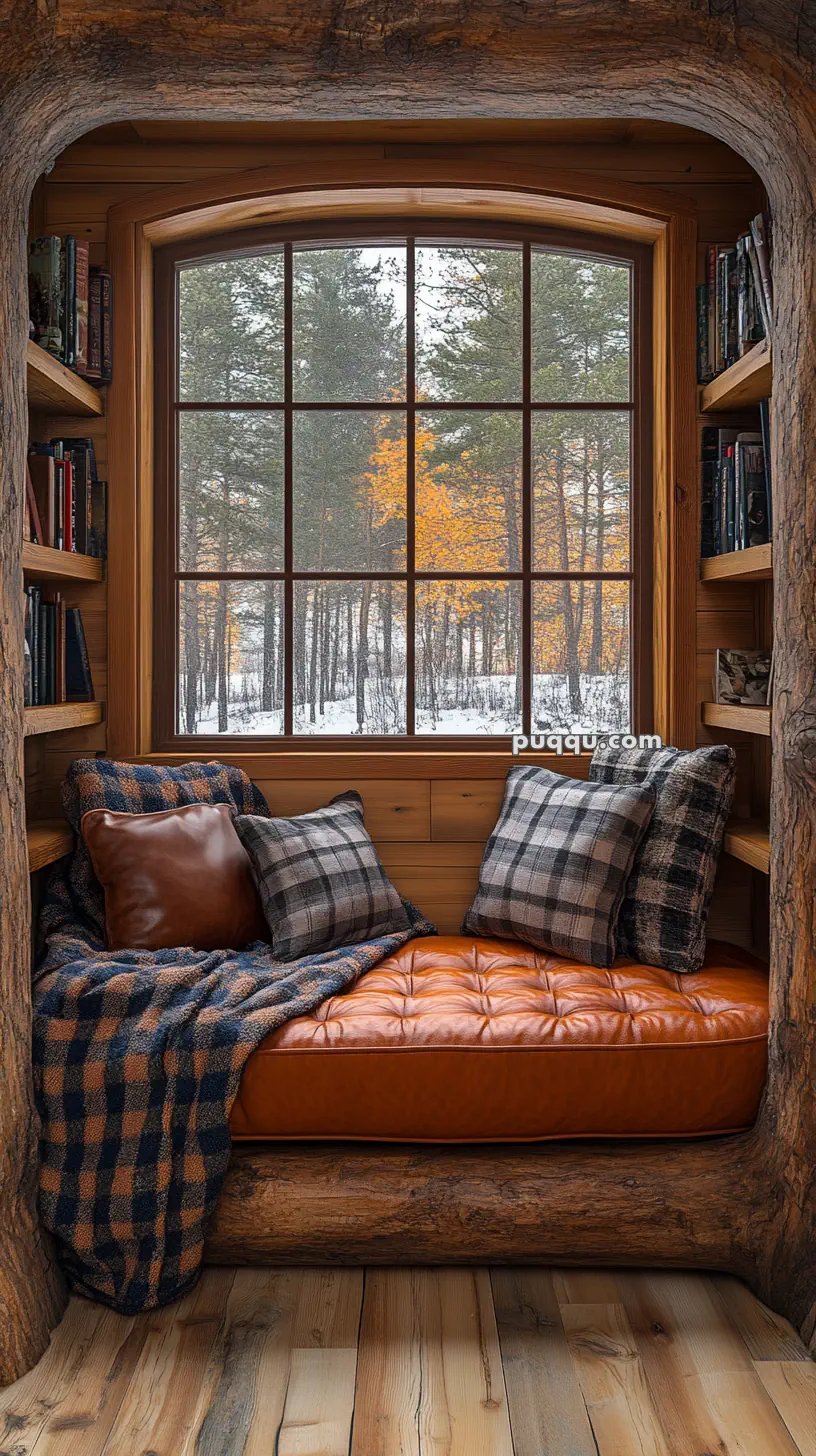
column 423, row 1362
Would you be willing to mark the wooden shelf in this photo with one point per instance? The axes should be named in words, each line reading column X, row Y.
column 59, row 716
column 58, row 390
column 747, row 839
column 45, row 564
column 745, row 383
column 738, row 717
column 755, row 563
column 48, row 840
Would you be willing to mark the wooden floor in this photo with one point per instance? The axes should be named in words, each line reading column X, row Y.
column 423, row 1362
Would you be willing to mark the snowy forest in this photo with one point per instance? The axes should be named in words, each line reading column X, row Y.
column 349, row 491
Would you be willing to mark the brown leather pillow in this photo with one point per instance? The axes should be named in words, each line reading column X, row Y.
column 177, row 878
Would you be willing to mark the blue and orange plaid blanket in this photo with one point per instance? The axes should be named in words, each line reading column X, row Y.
column 138, row 1055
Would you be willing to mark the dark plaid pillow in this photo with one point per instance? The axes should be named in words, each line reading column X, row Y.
column 320, row 879
column 664, row 912
column 555, row 868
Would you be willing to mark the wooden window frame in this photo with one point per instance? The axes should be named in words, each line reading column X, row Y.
column 606, row 215
column 169, row 408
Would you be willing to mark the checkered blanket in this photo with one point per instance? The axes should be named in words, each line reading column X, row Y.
column 138, row 1055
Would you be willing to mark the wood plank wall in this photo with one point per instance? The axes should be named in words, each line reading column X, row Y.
column 430, row 831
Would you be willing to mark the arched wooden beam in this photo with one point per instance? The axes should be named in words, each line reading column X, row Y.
column 747, row 76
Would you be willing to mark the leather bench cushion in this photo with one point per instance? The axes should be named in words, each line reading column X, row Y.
column 460, row 1039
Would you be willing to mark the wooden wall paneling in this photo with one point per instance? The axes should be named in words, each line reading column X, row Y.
column 394, row 808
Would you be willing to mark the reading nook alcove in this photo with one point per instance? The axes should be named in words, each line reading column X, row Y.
column 326, row 656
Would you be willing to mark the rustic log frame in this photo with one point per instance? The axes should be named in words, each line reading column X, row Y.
column 741, row 71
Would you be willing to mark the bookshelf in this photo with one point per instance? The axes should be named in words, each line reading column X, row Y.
column 755, row 563
column 58, row 716
column 55, row 390
column 738, row 717
column 43, row 563
column 744, row 384
column 748, row 840
column 48, row 840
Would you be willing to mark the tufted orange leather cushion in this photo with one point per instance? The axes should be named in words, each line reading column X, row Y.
column 456, row 1039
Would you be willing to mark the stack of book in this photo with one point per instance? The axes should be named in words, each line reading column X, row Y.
column 736, row 488
column 71, row 306
column 66, row 506
column 56, row 655
column 735, row 304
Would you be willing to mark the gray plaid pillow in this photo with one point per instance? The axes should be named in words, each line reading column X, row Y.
column 555, row 868
column 663, row 916
column 320, row 879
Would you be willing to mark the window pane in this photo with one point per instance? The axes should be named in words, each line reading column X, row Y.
column 468, row 491
column 349, row 324
column 581, row 491
column 468, row 677
column 231, row 329
column 230, row 675
column 230, row 491
column 468, row 323
column 581, row 656
column 349, row 489
column 349, row 657
column 581, row 327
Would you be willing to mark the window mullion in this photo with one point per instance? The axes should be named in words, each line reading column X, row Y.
column 410, row 488
column 288, row 426
column 526, row 496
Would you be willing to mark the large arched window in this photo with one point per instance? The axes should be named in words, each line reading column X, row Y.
column 400, row 486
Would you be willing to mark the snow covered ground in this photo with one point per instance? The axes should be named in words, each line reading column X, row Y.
column 480, row 706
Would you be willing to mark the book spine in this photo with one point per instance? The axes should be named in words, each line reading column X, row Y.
column 761, row 234
column 765, row 426
column 77, row 666
column 68, row 505
column 703, row 366
column 107, row 327
column 98, row 544
column 45, row 293
column 82, row 282
column 708, row 492
column 94, row 366
column 711, row 282
column 719, row 358
column 35, row 647
column 730, row 342
column 756, row 502
column 27, row 667
column 69, row 350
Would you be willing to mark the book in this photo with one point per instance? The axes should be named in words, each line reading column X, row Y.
column 761, row 234
column 752, row 514
column 742, row 676
column 98, row 532
column 81, row 306
column 765, row 427
column 94, row 366
column 106, row 324
column 709, row 456
column 69, row 301
column 704, row 372
column 79, row 685
column 45, row 293
column 28, row 680
column 68, row 504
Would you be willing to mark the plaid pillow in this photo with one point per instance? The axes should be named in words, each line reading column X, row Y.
column 664, row 912
column 320, row 879
column 555, row 868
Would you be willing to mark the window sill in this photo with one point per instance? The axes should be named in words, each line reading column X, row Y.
column 263, row 763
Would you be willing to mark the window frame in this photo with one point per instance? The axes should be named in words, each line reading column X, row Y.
column 168, row 260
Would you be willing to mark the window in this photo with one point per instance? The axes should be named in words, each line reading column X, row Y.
column 398, row 488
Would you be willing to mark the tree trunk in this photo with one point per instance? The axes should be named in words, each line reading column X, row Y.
column 362, row 655
column 222, row 669
column 269, row 639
